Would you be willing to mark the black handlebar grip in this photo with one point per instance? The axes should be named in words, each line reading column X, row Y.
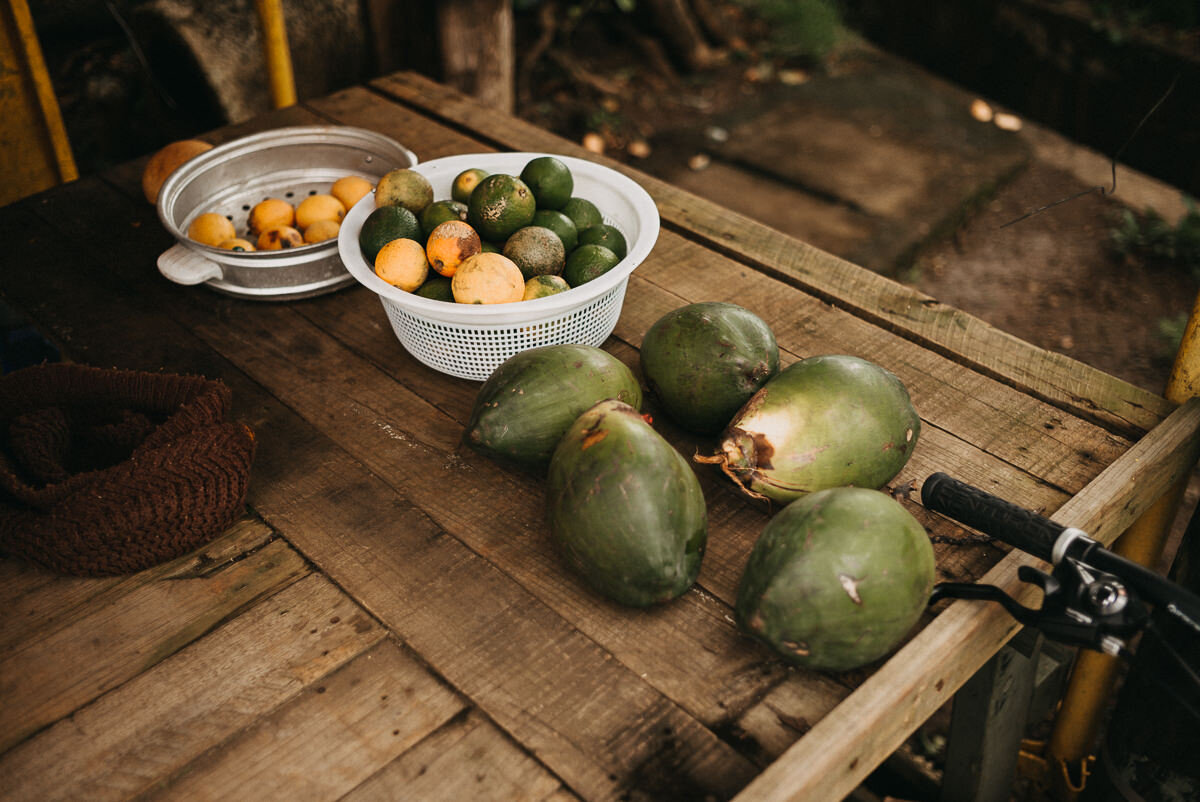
column 991, row 515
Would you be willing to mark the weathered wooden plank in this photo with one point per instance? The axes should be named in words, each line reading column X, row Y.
column 35, row 599
column 338, row 732
column 469, row 758
column 841, row 748
column 1064, row 382
column 54, row 673
column 148, row 729
column 584, row 714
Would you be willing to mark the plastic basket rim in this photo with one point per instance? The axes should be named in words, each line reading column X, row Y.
column 522, row 312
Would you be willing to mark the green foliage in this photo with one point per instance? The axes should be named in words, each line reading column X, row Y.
column 1149, row 236
column 1170, row 332
column 1180, row 14
column 800, row 28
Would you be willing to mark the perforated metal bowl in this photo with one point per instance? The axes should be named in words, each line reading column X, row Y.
column 290, row 163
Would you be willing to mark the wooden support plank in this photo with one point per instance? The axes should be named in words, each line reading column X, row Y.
column 834, row 757
column 469, row 758
column 337, row 733
column 1066, row 383
column 148, row 729
column 54, row 673
column 988, row 722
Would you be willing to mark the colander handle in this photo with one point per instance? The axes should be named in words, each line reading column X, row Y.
column 183, row 265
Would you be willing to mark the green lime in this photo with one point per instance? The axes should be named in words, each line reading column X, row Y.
column 583, row 213
column 465, row 183
column 560, row 224
column 442, row 211
column 537, row 251
column 436, row 288
column 500, row 205
column 384, row 225
column 588, row 262
column 550, row 180
column 404, row 187
column 541, row 286
column 605, row 235
column 491, row 247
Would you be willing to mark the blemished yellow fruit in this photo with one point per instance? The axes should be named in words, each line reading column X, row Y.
column 211, row 228
column 319, row 207
column 350, row 190
column 237, row 244
column 488, row 278
column 450, row 244
column 280, row 237
column 402, row 263
column 270, row 213
column 322, row 230
column 166, row 161
column 404, row 187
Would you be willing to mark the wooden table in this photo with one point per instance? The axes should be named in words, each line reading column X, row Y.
column 389, row 619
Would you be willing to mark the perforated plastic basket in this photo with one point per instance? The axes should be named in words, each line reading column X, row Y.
column 468, row 340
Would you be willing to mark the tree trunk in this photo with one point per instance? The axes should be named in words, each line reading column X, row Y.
column 677, row 23
column 476, row 39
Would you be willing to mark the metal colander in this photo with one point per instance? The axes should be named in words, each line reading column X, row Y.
column 289, row 163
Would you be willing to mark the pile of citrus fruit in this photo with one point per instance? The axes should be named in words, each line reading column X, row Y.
column 275, row 223
column 499, row 238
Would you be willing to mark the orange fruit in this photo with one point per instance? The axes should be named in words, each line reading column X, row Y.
column 322, row 230
column 350, row 190
column 166, row 161
column 402, row 263
column 236, row 244
column 270, row 213
column 279, row 237
column 449, row 244
column 319, row 207
column 488, row 278
column 211, row 228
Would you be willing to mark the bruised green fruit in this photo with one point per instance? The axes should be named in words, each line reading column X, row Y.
column 436, row 288
column 608, row 236
column 588, row 262
column 625, row 508
column 560, row 224
column 532, row 397
column 705, row 360
column 537, row 251
column 550, row 181
column 499, row 205
column 837, row 579
column 542, row 286
column 583, row 213
column 825, row 421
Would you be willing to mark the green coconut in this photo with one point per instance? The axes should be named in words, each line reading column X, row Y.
column 825, row 421
column 625, row 508
column 837, row 579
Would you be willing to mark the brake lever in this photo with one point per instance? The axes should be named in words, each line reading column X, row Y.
column 1080, row 606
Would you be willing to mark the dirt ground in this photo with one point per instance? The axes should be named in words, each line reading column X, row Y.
column 1054, row 279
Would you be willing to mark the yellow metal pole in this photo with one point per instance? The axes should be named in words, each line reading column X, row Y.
column 1077, row 724
column 31, row 54
column 279, row 57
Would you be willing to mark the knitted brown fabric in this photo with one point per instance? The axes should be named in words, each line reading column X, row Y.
column 111, row 471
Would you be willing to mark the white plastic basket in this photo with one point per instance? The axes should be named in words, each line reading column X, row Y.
column 468, row 340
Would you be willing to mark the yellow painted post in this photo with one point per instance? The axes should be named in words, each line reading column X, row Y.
column 31, row 129
column 1077, row 725
column 279, row 57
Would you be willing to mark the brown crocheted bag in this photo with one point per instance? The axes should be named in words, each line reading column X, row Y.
column 112, row 471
